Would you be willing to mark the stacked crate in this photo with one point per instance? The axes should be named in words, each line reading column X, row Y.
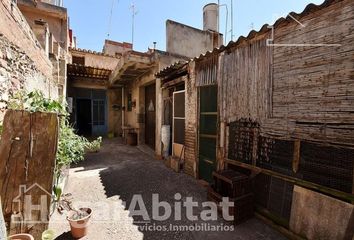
column 238, row 188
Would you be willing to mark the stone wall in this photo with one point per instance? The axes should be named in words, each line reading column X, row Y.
column 17, row 72
column 23, row 62
column 14, row 27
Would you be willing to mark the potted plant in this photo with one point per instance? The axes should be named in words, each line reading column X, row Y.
column 21, row 236
column 79, row 220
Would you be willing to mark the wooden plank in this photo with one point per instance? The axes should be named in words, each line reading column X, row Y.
column 296, row 159
column 41, row 163
column 27, row 160
column 13, row 155
column 353, row 183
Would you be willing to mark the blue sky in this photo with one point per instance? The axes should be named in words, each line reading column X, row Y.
column 89, row 19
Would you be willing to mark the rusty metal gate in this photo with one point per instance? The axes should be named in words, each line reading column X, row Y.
column 27, row 160
column 150, row 115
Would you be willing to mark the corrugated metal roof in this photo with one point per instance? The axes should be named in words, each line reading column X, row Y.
column 310, row 8
column 175, row 66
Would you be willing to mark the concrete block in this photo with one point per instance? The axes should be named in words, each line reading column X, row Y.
column 317, row 216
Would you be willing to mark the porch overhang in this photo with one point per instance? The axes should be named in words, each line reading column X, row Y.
column 76, row 70
column 132, row 67
column 86, row 75
column 172, row 74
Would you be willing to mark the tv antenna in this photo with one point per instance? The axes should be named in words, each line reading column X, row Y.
column 134, row 13
column 110, row 18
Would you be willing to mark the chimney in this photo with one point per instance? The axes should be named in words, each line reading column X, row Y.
column 210, row 17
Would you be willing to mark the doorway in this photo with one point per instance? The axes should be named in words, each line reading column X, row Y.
column 208, row 115
column 84, row 117
column 150, row 115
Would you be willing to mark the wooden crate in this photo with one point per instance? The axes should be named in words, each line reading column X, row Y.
column 243, row 206
column 232, row 184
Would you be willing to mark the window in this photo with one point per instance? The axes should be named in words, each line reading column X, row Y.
column 178, row 117
column 130, row 103
column 98, row 112
column 79, row 60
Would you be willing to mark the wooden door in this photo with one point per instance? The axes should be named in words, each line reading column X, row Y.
column 84, row 117
column 150, row 115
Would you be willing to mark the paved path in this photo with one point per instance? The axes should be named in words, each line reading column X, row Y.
column 105, row 180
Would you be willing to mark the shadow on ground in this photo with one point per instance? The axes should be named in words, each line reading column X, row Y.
column 134, row 172
column 116, row 174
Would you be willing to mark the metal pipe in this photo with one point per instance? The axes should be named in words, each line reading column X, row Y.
column 232, row 20
column 123, row 118
column 218, row 19
column 227, row 18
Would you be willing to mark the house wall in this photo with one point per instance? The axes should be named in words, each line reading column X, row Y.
column 97, row 60
column 191, row 130
column 50, row 25
column 136, row 117
column 23, row 62
column 116, row 48
column 114, row 95
column 188, row 41
column 56, row 18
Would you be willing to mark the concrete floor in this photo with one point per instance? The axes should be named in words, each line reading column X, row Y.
column 105, row 180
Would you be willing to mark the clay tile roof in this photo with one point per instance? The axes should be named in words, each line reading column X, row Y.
column 91, row 52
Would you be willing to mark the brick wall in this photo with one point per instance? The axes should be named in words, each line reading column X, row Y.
column 191, row 123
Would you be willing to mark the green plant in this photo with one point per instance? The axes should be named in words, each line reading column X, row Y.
column 48, row 235
column 95, row 145
column 57, row 192
column 36, row 102
column 71, row 147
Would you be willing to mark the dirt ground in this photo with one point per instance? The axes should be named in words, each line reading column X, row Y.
column 106, row 182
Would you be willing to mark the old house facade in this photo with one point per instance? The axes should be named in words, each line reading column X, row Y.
column 278, row 105
column 33, row 48
column 49, row 21
column 143, row 97
column 94, row 104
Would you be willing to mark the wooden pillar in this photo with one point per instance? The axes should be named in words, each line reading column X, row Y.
column 296, row 159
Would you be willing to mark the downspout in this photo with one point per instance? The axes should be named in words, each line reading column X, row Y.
column 123, row 112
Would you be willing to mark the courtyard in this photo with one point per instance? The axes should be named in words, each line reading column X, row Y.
column 115, row 174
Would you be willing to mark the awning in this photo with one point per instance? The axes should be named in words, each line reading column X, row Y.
column 76, row 70
column 131, row 67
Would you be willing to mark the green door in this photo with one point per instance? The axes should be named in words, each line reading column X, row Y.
column 207, row 131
